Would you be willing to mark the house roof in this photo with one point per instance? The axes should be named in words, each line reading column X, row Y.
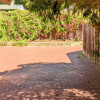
column 6, row 1
column 10, row 7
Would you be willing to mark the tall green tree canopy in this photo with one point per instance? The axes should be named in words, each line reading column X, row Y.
column 91, row 8
column 20, row 1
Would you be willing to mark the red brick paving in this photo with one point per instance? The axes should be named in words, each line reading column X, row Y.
column 11, row 57
column 47, row 73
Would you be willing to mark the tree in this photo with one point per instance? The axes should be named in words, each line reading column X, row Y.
column 91, row 8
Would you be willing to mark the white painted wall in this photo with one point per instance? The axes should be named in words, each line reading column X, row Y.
column 12, row 3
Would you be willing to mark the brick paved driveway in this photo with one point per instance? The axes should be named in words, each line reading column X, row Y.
column 47, row 73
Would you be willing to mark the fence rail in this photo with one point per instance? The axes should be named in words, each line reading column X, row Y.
column 91, row 44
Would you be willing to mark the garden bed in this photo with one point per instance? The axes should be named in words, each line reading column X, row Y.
column 22, row 28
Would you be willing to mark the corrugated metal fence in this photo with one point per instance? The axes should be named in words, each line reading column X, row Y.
column 91, row 44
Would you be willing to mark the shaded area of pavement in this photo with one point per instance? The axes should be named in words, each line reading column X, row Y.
column 77, row 80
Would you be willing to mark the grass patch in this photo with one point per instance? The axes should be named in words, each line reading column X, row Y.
column 81, row 56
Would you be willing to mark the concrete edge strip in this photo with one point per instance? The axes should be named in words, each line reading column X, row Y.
column 43, row 43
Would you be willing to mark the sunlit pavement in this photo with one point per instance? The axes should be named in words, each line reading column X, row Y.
column 47, row 73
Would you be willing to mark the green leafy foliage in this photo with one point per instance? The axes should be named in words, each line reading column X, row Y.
column 87, row 13
column 48, row 5
column 90, row 7
column 19, row 43
column 22, row 25
column 20, row 2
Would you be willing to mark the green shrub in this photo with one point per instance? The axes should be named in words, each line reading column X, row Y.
column 19, row 43
column 22, row 25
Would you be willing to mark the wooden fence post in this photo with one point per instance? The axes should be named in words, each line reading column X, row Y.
column 91, row 43
column 84, row 40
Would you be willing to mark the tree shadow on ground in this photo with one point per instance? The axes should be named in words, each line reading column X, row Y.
column 51, row 81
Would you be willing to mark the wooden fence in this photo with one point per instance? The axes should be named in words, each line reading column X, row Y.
column 91, row 44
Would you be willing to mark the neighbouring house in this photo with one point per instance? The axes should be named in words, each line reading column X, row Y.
column 5, row 7
column 9, row 2
column 70, row 8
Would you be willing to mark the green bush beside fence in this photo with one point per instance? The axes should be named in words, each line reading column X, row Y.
column 22, row 25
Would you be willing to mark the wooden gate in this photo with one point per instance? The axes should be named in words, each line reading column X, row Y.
column 91, row 44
